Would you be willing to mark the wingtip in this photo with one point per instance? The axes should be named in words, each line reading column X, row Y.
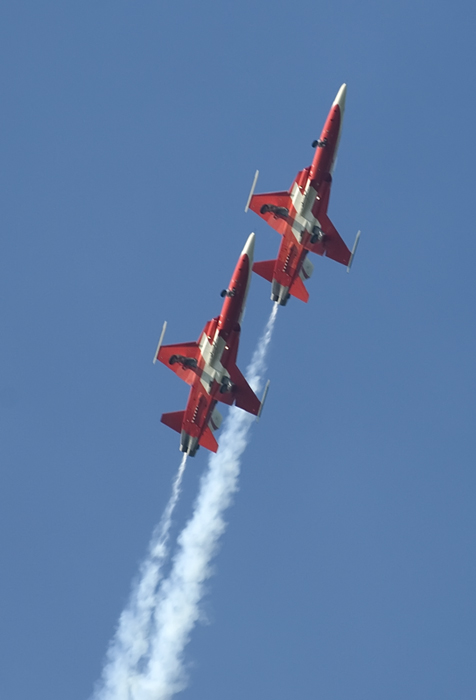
column 354, row 249
column 255, row 180
column 265, row 393
column 164, row 328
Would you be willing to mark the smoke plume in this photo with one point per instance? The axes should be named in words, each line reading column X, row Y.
column 146, row 659
column 131, row 640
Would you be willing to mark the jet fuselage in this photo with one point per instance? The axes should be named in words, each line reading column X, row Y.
column 209, row 365
column 300, row 215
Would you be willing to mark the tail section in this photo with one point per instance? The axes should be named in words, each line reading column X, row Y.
column 173, row 420
column 265, row 269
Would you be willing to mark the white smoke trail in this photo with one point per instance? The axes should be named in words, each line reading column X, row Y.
column 131, row 641
column 145, row 660
column 177, row 608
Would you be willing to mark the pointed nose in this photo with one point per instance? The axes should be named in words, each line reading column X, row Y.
column 249, row 248
column 340, row 98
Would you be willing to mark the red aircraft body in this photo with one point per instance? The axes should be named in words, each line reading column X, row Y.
column 209, row 366
column 300, row 216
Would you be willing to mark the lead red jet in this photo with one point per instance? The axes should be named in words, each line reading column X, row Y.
column 300, row 216
column 209, row 366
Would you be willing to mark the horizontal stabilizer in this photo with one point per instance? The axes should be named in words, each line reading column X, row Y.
column 181, row 359
column 298, row 290
column 173, row 420
column 244, row 394
column 274, row 208
column 207, row 440
column 265, row 269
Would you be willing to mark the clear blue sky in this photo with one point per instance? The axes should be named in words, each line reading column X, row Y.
column 130, row 133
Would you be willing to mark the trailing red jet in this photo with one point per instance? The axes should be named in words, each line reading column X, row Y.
column 300, row 216
column 209, row 366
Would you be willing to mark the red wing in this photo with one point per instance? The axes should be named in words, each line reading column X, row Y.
column 334, row 247
column 273, row 207
column 243, row 393
column 181, row 359
column 228, row 397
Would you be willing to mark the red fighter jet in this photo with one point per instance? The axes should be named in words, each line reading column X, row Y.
column 300, row 216
column 209, row 366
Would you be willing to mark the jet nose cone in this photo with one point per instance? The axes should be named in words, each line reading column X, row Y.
column 249, row 248
column 340, row 98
